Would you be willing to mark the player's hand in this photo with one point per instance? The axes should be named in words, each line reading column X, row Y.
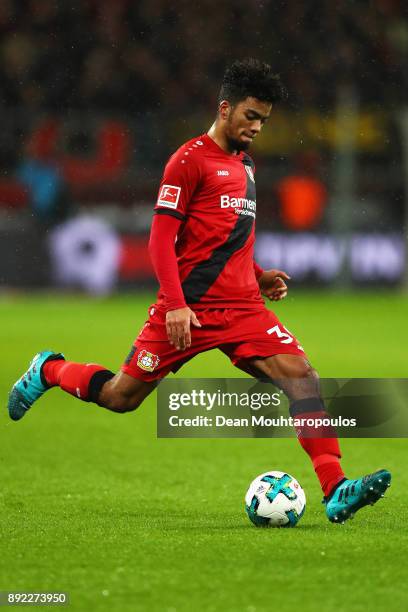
column 272, row 284
column 178, row 326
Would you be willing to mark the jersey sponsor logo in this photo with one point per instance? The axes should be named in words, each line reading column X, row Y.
column 147, row 361
column 250, row 173
column 241, row 206
column 222, row 173
column 169, row 196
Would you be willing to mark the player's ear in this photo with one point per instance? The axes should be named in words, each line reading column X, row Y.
column 224, row 109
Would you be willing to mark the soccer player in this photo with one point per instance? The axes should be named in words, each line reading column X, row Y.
column 202, row 248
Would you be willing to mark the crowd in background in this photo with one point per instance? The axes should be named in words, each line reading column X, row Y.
column 156, row 66
column 125, row 56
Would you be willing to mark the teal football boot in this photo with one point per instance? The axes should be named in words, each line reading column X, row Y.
column 352, row 495
column 30, row 386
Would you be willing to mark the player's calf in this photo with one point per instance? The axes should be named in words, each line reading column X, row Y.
column 88, row 382
column 117, row 402
column 300, row 382
column 123, row 393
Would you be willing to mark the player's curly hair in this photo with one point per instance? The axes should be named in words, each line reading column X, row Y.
column 251, row 78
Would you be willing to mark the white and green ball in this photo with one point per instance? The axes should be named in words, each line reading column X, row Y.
column 275, row 499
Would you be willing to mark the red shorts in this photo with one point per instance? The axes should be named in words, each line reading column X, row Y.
column 240, row 334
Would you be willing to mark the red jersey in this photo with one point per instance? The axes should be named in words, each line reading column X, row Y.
column 213, row 194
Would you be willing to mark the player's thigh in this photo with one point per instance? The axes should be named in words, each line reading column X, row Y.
column 126, row 388
column 292, row 373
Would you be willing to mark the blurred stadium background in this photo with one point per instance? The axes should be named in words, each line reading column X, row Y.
column 95, row 95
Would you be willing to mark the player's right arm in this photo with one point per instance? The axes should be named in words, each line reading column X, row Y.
column 179, row 316
column 180, row 179
column 178, row 326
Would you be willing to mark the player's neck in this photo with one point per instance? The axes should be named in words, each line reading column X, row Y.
column 218, row 136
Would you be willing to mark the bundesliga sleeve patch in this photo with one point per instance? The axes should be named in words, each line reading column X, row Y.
column 169, row 196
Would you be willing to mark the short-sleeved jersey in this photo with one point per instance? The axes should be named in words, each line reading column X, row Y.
column 213, row 194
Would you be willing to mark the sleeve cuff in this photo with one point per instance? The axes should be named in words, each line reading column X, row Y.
column 169, row 212
column 174, row 305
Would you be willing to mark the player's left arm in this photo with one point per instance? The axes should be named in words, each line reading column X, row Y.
column 272, row 282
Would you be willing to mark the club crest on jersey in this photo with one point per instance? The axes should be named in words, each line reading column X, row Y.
column 147, row 361
column 250, row 173
column 169, row 196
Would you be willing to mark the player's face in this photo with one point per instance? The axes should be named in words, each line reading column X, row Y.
column 244, row 121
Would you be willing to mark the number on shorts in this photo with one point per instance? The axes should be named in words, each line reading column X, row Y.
column 285, row 336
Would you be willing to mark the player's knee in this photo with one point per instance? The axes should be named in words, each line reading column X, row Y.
column 307, row 376
column 301, row 381
column 309, row 372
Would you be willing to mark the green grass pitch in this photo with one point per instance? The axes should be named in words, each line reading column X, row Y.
column 94, row 505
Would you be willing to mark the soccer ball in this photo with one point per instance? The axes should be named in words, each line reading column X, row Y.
column 275, row 499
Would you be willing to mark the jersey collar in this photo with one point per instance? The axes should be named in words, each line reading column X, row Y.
column 211, row 144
